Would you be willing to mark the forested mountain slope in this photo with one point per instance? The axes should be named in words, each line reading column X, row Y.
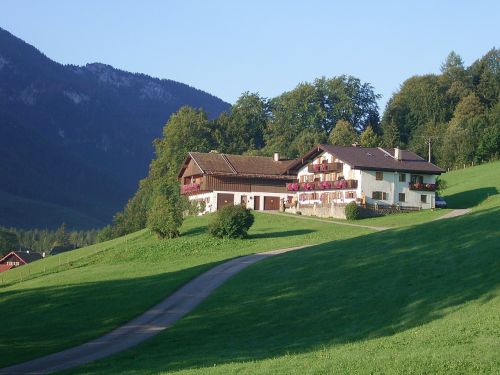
column 80, row 136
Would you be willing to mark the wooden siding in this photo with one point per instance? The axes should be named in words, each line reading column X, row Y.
column 239, row 184
column 192, row 170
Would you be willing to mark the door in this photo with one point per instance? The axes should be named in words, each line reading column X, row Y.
column 244, row 200
column 256, row 203
column 271, row 203
column 224, row 200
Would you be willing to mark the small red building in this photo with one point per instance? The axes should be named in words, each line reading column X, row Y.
column 18, row 258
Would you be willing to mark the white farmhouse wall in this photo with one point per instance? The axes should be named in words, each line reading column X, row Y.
column 391, row 185
column 210, row 198
column 348, row 173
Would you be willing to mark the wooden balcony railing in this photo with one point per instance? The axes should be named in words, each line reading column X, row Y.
column 322, row 185
column 325, row 167
column 422, row 187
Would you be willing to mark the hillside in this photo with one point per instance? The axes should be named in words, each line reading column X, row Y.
column 80, row 136
column 414, row 299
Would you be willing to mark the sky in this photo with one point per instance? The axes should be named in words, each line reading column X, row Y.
column 229, row 47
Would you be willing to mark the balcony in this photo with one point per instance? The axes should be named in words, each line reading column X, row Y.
column 190, row 189
column 422, row 187
column 325, row 167
column 322, row 185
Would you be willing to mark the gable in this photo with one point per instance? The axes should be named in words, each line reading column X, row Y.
column 191, row 169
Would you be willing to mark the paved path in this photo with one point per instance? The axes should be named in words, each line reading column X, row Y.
column 326, row 220
column 153, row 321
column 455, row 213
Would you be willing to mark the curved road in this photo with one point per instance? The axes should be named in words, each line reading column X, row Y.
column 150, row 323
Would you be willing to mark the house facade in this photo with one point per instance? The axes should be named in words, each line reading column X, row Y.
column 326, row 175
column 18, row 258
column 215, row 180
column 368, row 176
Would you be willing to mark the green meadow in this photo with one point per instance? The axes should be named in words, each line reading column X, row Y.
column 422, row 297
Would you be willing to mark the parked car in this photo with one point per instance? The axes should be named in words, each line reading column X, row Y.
column 440, row 202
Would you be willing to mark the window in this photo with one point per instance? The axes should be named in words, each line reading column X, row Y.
column 402, row 177
column 423, row 198
column 330, row 177
column 350, row 194
column 417, row 179
column 379, row 175
column 402, row 197
column 380, row 195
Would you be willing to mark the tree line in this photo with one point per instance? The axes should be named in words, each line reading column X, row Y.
column 457, row 110
column 44, row 240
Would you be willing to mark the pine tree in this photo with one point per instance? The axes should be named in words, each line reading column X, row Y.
column 343, row 134
column 391, row 135
column 369, row 138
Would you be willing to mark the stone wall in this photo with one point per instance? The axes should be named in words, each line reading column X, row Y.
column 320, row 210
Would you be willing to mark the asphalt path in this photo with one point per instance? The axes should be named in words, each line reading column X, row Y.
column 147, row 325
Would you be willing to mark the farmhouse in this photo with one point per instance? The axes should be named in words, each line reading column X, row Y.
column 326, row 175
column 17, row 258
column 369, row 176
column 216, row 180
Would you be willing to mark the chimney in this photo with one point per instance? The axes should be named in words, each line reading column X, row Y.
column 276, row 156
column 398, row 154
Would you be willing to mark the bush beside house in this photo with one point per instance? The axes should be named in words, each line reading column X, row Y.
column 231, row 222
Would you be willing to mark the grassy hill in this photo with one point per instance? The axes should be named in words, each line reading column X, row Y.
column 419, row 298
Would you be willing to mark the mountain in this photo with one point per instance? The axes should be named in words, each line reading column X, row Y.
column 78, row 138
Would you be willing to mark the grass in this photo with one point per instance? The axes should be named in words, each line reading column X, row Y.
column 414, row 299
column 419, row 299
column 473, row 187
column 70, row 298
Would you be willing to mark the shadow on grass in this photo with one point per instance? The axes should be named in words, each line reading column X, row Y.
column 48, row 319
column 194, row 231
column 286, row 233
column 335, row 293
column 470, row 198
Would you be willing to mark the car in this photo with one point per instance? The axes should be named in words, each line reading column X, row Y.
column 440, row 202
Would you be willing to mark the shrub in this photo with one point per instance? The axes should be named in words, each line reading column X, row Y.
column 196, row 207
column 164, row 219
column 231, row 222
column 352, row 211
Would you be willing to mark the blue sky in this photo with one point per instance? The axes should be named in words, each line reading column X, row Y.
column 228, row 47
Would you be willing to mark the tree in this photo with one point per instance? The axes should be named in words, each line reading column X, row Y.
column 369, row 138
column 453, row 67
column 61, row 236
column 187, row 130
column 243, row 130
column 165, row 215
column 390, row 136
column 8, row 241
column 315, row 108
column 343, row 134
column 485, row 76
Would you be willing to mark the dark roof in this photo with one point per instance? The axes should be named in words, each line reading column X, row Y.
column 374, row 158
column 238, row 165
column 28, row 257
